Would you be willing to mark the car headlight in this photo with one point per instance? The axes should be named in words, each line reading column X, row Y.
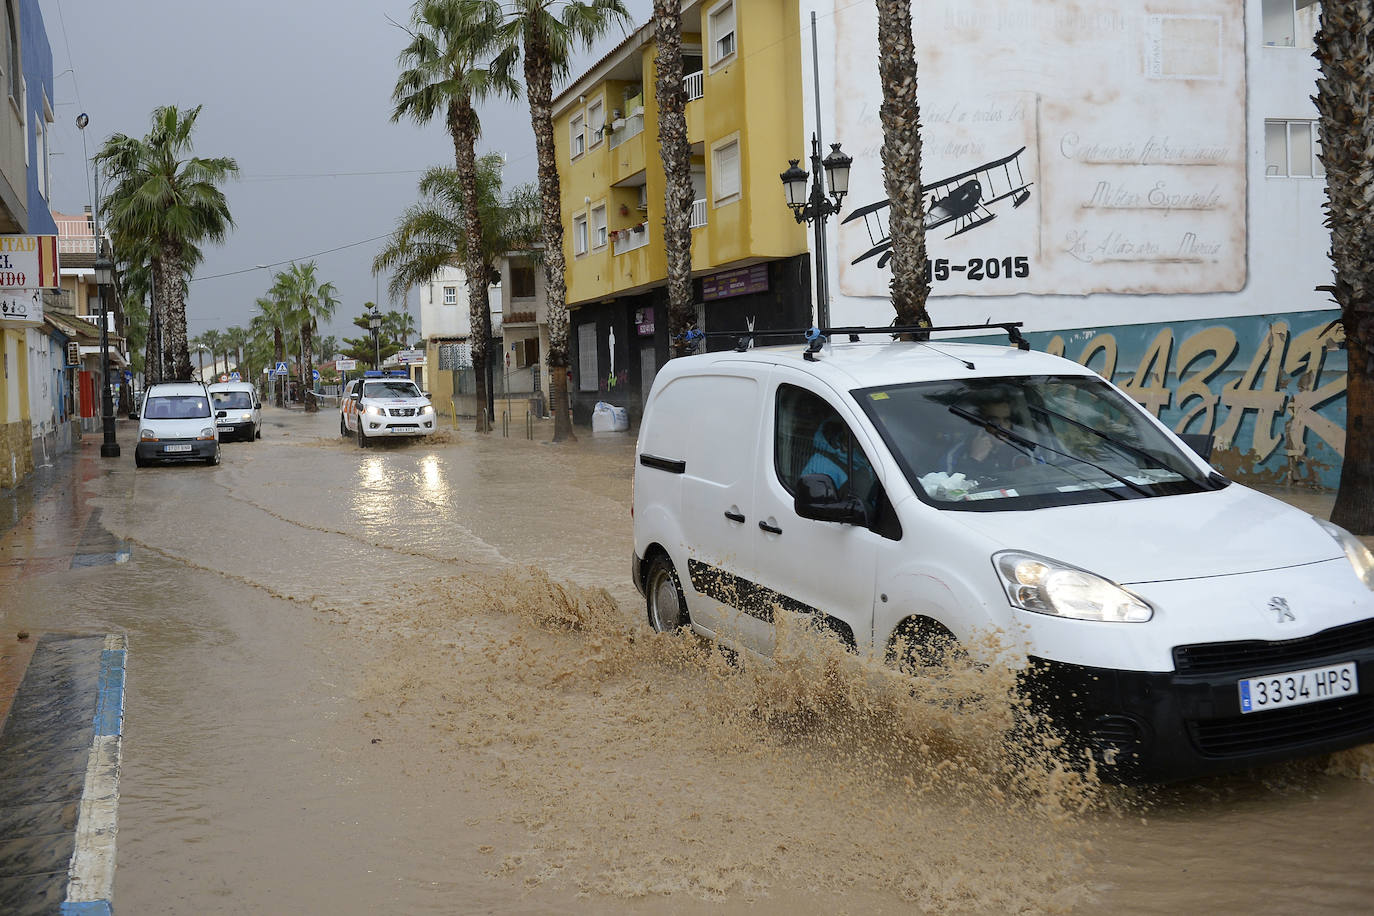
column 147, row 435
column 1359, row 555
column 427, row 409
column 1047, row 586
column 376, row 411
column 207, row 433
column 246, row 417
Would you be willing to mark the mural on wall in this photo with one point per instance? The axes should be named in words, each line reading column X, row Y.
column 1130, row 123
column 1270, row 389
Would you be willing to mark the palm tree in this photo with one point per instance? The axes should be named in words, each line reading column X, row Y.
column 677, row 170
column 544, row 41
column 433, row 234
column 197, row 344
column 448, row 37
column 170, row 198
column 1343, row 97
column 272, row 317
column 134, row 257
column 235, row 339
column 309, row 301
column 214, row 342
column 398, row 328
column 901, row 120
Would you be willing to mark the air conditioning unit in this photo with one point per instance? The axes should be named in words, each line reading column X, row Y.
column 73, row 353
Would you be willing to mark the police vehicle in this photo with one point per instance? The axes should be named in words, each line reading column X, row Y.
column 384, row 405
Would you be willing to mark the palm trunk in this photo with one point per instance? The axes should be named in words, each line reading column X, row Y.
column 539, row 92
column 279, row 347
column 308, row 367
column 677, row 170
column 179, row 349
column 462, row 123
column 1345, row 102
column 162, row 366
column 901, row 153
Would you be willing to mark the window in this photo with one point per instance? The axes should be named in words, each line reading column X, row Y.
column 450, row 295
column 1290, row 150
column 12, row 57
column 40, row 144
column 580, row 234
column 578, row 139
column 596, row 121
column 599, row 227
column 725, row 159
column 522, row 282
column 810, row 437
column 587, row 373
column 1290, row 23
column 721, row 26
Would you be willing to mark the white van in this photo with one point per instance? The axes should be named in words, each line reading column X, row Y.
column 924, row 493
column 176, row 423
column 238, row 410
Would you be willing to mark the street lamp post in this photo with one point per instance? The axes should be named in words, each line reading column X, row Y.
column 816, row 207
column 104, row 282
column 374, row 323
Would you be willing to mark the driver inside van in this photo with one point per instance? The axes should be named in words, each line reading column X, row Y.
column 832, row 454
column 982, row 452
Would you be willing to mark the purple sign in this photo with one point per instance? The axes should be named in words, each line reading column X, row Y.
column 735, row 282
column 644, row 321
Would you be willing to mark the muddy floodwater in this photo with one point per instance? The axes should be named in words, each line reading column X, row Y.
column 416, row 679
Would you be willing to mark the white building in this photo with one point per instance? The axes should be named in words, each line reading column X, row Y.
column 1139, row 186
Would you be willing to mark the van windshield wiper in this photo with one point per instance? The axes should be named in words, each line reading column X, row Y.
column 1025, row 442
column 1113, row 441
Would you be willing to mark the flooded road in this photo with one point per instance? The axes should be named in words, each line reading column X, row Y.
column 415, row 679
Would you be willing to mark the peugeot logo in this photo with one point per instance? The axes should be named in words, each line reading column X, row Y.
column 1281, row 610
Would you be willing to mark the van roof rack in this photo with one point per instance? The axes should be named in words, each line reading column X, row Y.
column 816, row 337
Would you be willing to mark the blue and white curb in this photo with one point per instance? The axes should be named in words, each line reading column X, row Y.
column 90, row 877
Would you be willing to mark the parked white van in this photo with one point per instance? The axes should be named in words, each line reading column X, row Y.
column 176, row 423
column 1177, row 623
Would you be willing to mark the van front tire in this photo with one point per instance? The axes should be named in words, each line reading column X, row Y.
column 663, row 598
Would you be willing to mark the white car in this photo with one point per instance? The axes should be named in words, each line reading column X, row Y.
column 379, row 406
column 177, row 423
column 238, row 410
column 913, row 494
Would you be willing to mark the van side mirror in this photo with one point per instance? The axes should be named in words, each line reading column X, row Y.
column 257, row 405
column 817, row 499
column 221, row 414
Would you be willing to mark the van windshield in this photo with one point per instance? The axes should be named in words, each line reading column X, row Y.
column 232, row 400
column 176, row 407
column 1027, row 442
column 390, row 389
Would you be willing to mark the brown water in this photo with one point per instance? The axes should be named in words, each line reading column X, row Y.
column 415, row 679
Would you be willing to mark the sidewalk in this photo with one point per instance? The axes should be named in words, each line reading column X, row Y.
column 61, row 705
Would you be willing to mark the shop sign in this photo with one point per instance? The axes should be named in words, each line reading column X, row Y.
column 644, row 321
column 28, row 262
column 739, row 282
column 21, row 305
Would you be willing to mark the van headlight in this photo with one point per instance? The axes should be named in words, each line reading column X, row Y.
column 426, row 410
column 1358, row 554
column 376, row 410
column 207, row 433
column 1047, row 586
column 146, row 435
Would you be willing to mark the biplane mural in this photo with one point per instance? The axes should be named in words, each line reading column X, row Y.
column 964, row 199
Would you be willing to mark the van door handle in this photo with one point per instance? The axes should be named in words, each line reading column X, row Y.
column 769, row 528
column 734, row 516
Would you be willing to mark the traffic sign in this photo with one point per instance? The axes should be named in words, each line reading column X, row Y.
column 315, row 374
column 235, row 377
column 346, row 365
column 281, row 369
column 128, row 376
column 223, row 377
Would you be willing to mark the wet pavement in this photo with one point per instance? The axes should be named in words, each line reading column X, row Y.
column 415, row 679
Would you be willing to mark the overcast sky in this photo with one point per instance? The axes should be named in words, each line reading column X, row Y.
column 299, row 93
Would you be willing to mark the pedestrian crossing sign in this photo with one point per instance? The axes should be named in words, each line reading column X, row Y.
column 235, row 377
column 281, row 368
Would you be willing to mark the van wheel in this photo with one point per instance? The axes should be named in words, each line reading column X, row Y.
column 663, row 599
column 257, row 432
column 362, row 436
column 920, row 642
column 139, row 461
column 213, row 459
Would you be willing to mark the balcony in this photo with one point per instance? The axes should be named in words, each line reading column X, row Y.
column 623, row 129
column 631, row 238
column 698, row 213
column 75, row 236
column 695, row 85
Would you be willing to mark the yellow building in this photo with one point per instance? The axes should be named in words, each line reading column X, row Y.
column 742, row 63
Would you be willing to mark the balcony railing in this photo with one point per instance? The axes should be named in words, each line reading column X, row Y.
column 632, row 238
column 630, row 127
column 698, row 213
column 75, row 235
column 694, row 85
